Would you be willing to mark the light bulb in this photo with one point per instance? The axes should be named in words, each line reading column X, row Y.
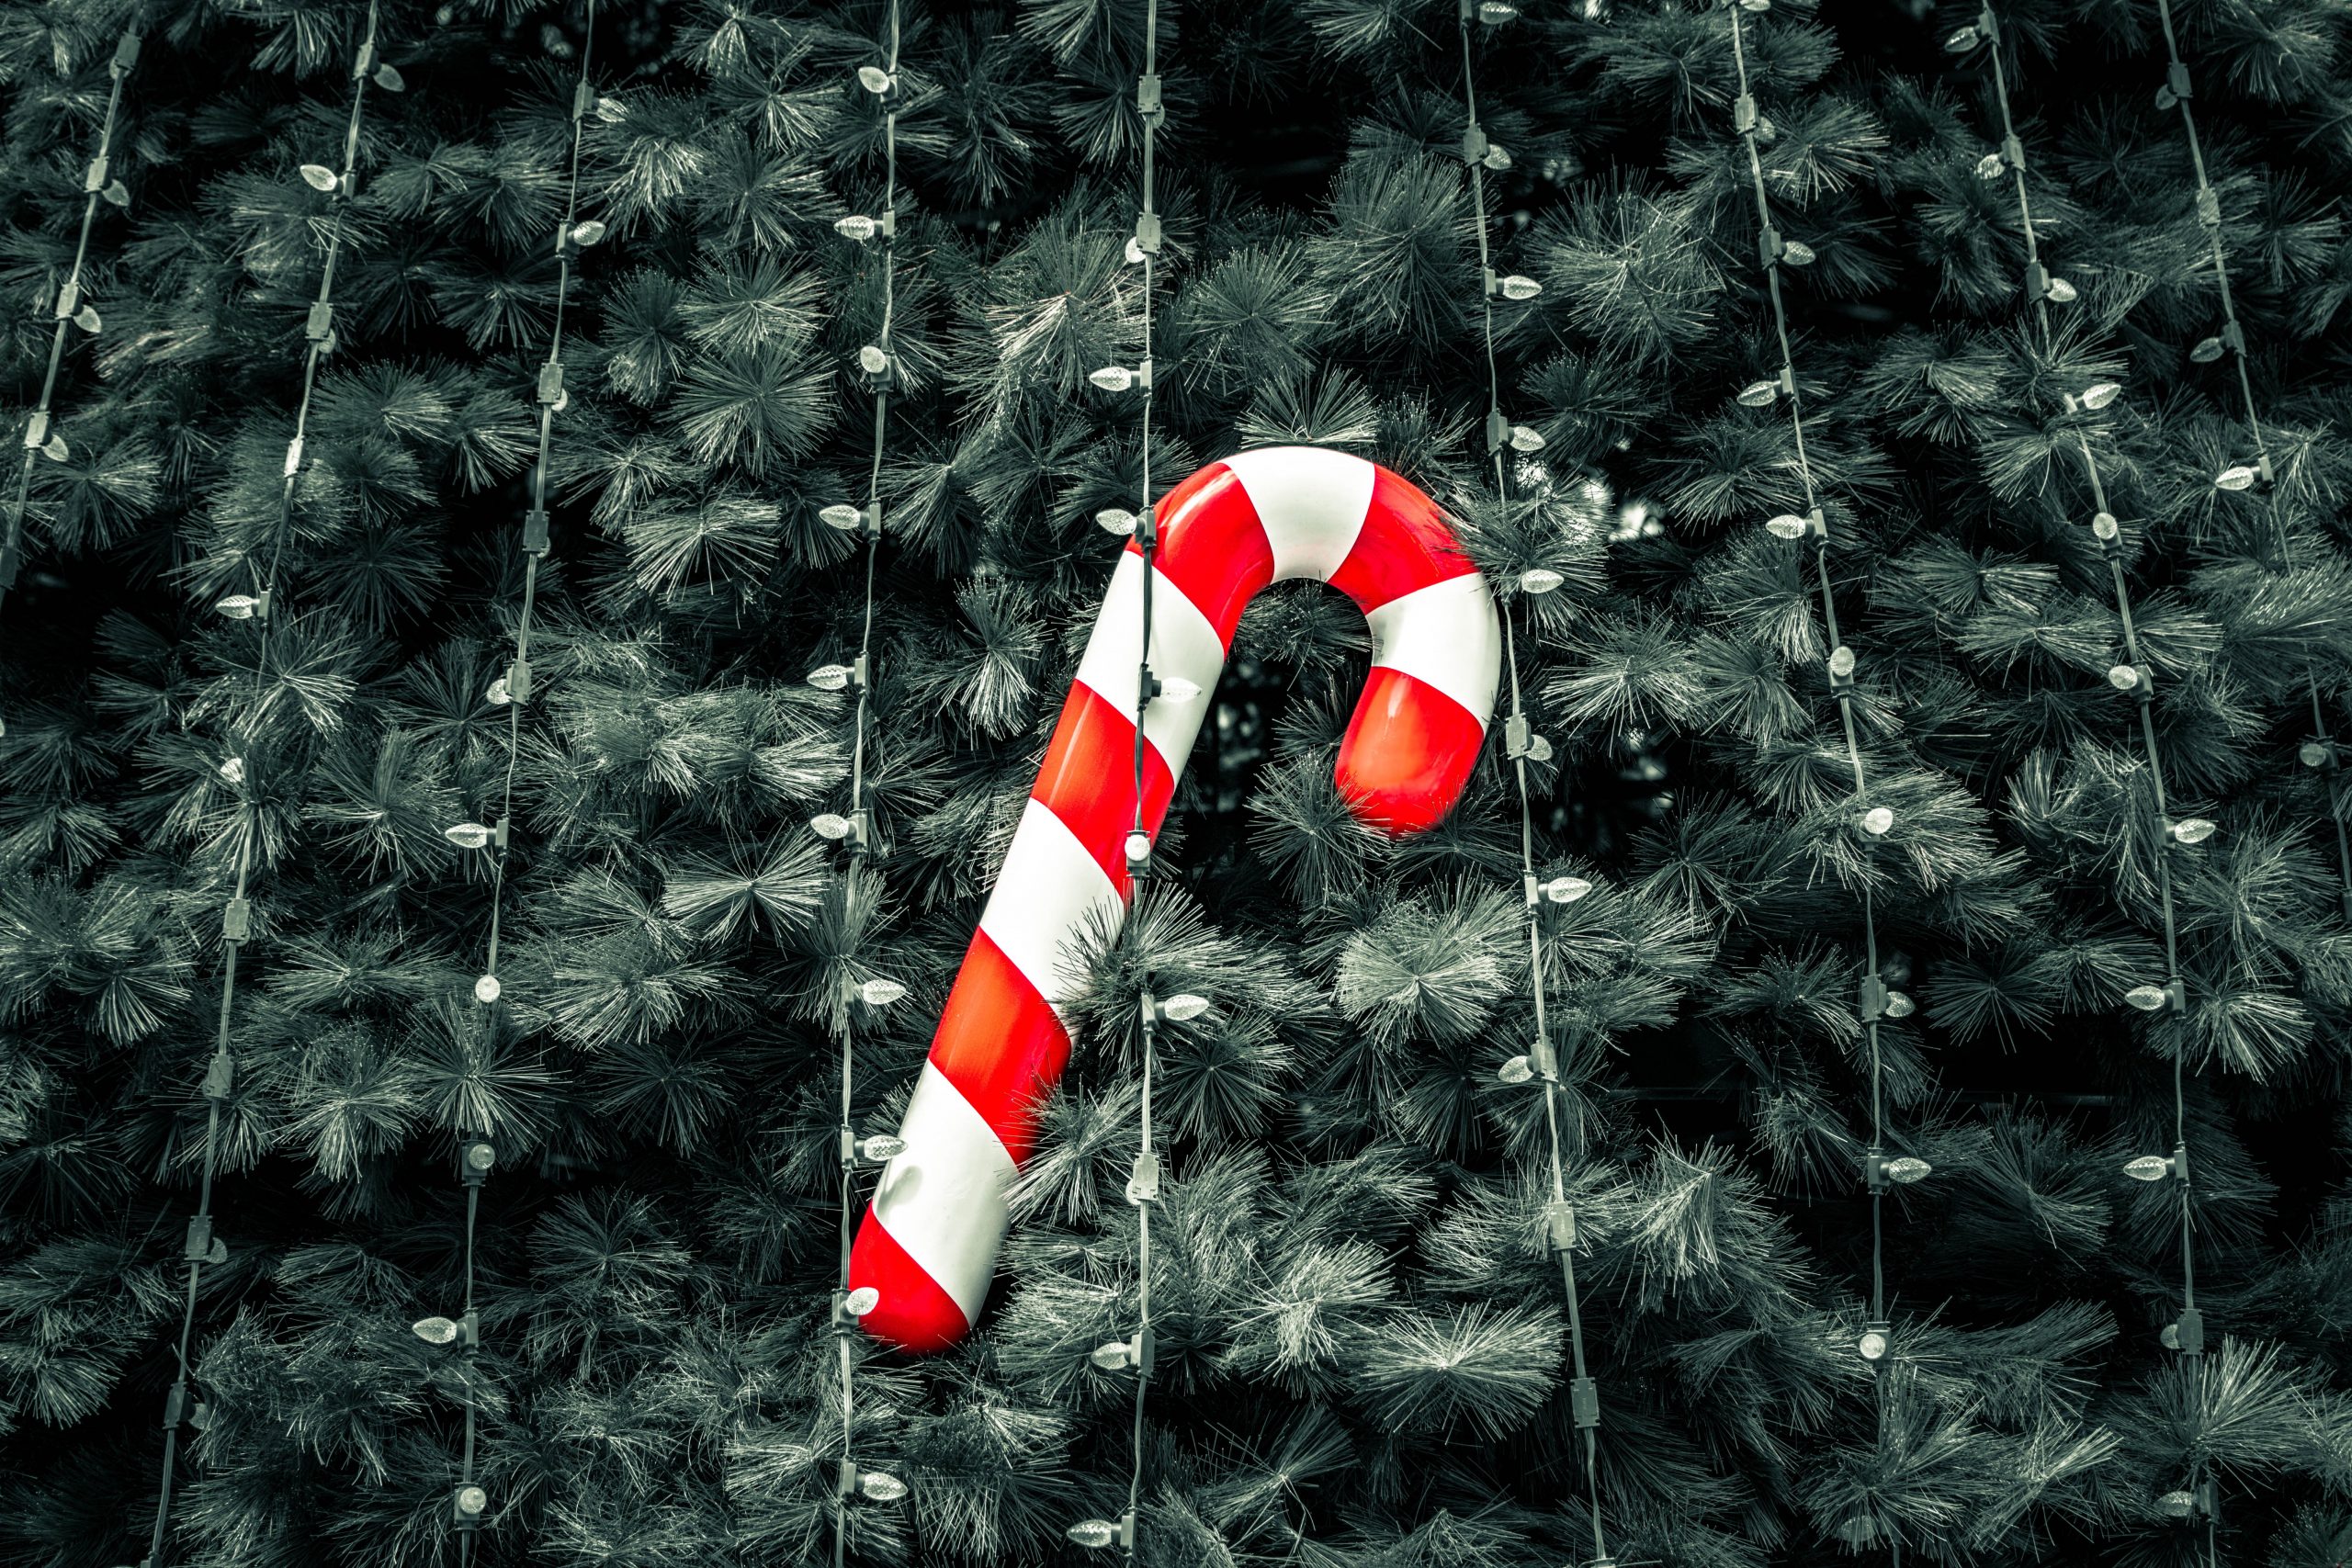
column 1787, row 525
column 856, row 226
column 2207, row 351
column 880, row 1486
column 86, row 317
column 830, row 825
column 2314, row 754
column 1758, row 394
column 861, row 1301
column 233, row 770
column 238, row 607
column 829, row 677
column 390, row 79
column 1133, row 250
column 499, row 695
column 481, row 1155
column 1093, row 1534
column 842, row 516
column 466, row 835
column 1498, row 157
column 318, row 176
column 881, row 1148
column 1184, row 1008
column 1841, row 662
column 2192, row 830
column 1519, row 1069
column 873, row 79
column 1112, row 378
column 1519, row 287
column 1567, row 889
column 880, row 993
column 2238, row 478
column 1873, row 1345
column 1539, row 749
column 1115, row 520
column 1539, row 579
column 1960, row 42
column 1758, row 6
column 472, row 1502
column 2149, row 1167
column 1877, row 822
column 434, row 1330
column 2063, row 292
column 2123, row 677
column 2098, row 394
column 1495, row 13
column 1906, row 1169
column 2147, row 998
column 2176, row 1505
column 587, row 232
column 486, row 989
column 1899, row 1005
column 1526, row 438
column 117, row 193
column 1177, row 689
column 1139, row 847
column 1796, row 253
column 2104, row 526
column 612, row 111
column 872, row 360
column 1114, row 1356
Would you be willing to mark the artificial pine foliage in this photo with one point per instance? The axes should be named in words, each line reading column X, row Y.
column 1361, row 1346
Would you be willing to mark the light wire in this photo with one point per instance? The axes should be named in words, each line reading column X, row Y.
column 97, row 185
column 1584, row 1396
column 2143, row 688
column 181, row 1404
column 1774, row 252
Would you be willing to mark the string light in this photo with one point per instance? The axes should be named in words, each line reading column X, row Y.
column 1522, row 745
column 98, row 185
column 1879, row 1173
column 877, row 362
column 2135, row 679
column 477, row 1157
column 1135, row 1353
column 201, row 1248
column 2231, row 340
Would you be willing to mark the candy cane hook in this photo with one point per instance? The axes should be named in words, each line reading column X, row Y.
column 930, row 1240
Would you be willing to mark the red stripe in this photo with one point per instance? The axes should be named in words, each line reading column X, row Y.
column 1088, row 778
column 1408, row 753
column 914, row 1312
column 999, row 1044
column 1406, row 543
column 1213, row 546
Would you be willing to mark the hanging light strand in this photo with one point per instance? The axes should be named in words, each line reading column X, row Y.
column 877, row 363
column 1134, row 1354
column 181, row 1403
column 1878, row 1002
column 2320, row 751
column 2135, row 679
column 1521, row 743
column 477, row 1155
column 72, row 310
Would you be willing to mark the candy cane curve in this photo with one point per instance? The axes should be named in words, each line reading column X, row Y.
column 930, row 1239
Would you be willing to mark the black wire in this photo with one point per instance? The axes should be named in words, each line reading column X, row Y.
column 1750, row 123
column 2192, row 1355
column 95, row 185
column 1584, row 1397
column 200, row 1247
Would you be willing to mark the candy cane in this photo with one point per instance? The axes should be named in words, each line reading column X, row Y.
column 930, row 1240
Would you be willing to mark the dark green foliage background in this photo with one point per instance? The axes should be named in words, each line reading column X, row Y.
column 1362, row 1343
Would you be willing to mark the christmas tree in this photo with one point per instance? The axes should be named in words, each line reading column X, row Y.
column 550, row 542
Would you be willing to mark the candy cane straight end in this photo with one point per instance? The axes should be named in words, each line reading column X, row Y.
column 930, row 1241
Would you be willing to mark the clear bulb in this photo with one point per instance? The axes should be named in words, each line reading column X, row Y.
column 2149, row 1167
column 2147, row 998
column 830, row 825
column 500, row 694
column 842, row 516
column 587, row 232
column 880, row 1486
column 2098, row 394
column 1184, row 1008
column 829, row 677
column 1115, row 520
column 486, row 989
column 1519, row 1069
column 1787, row 525
column 1177, row 689
column 1898, row 1005
column 2238, row 478
column 233, row 770
column 466, row 835
column 880, row 993
column 856, row 226
column 1841, row 662
column 472, row 1501
column 434, row 1330
column 1114, row 1356
column 1796, row 253
column 1519, row 287
column 873, row 79
column 1878, row 820
column 1526, row 438
column 2123, row 677
column 2193, row 830
column 1873, row 1345
column 1760, row 394
column 1906, row 1170
column 1093, row 1534
column 1112, row 378
column 861, row 1301
column 2207, row 351
column 238, row 607
column 2063, row 292
column 1138, row 847
column 1567, row 889
column 1539, row 579
column 881, row 1148
column 872, row 360
column 2104, row 526
column 318, row 176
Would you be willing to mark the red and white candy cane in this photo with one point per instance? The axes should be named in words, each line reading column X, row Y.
column 930, row 1240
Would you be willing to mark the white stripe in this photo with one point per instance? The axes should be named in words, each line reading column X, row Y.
column 1446, row 633
column 1049, row 891
column 942, row 1200
column 1312, row 502
column 1183, row 644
